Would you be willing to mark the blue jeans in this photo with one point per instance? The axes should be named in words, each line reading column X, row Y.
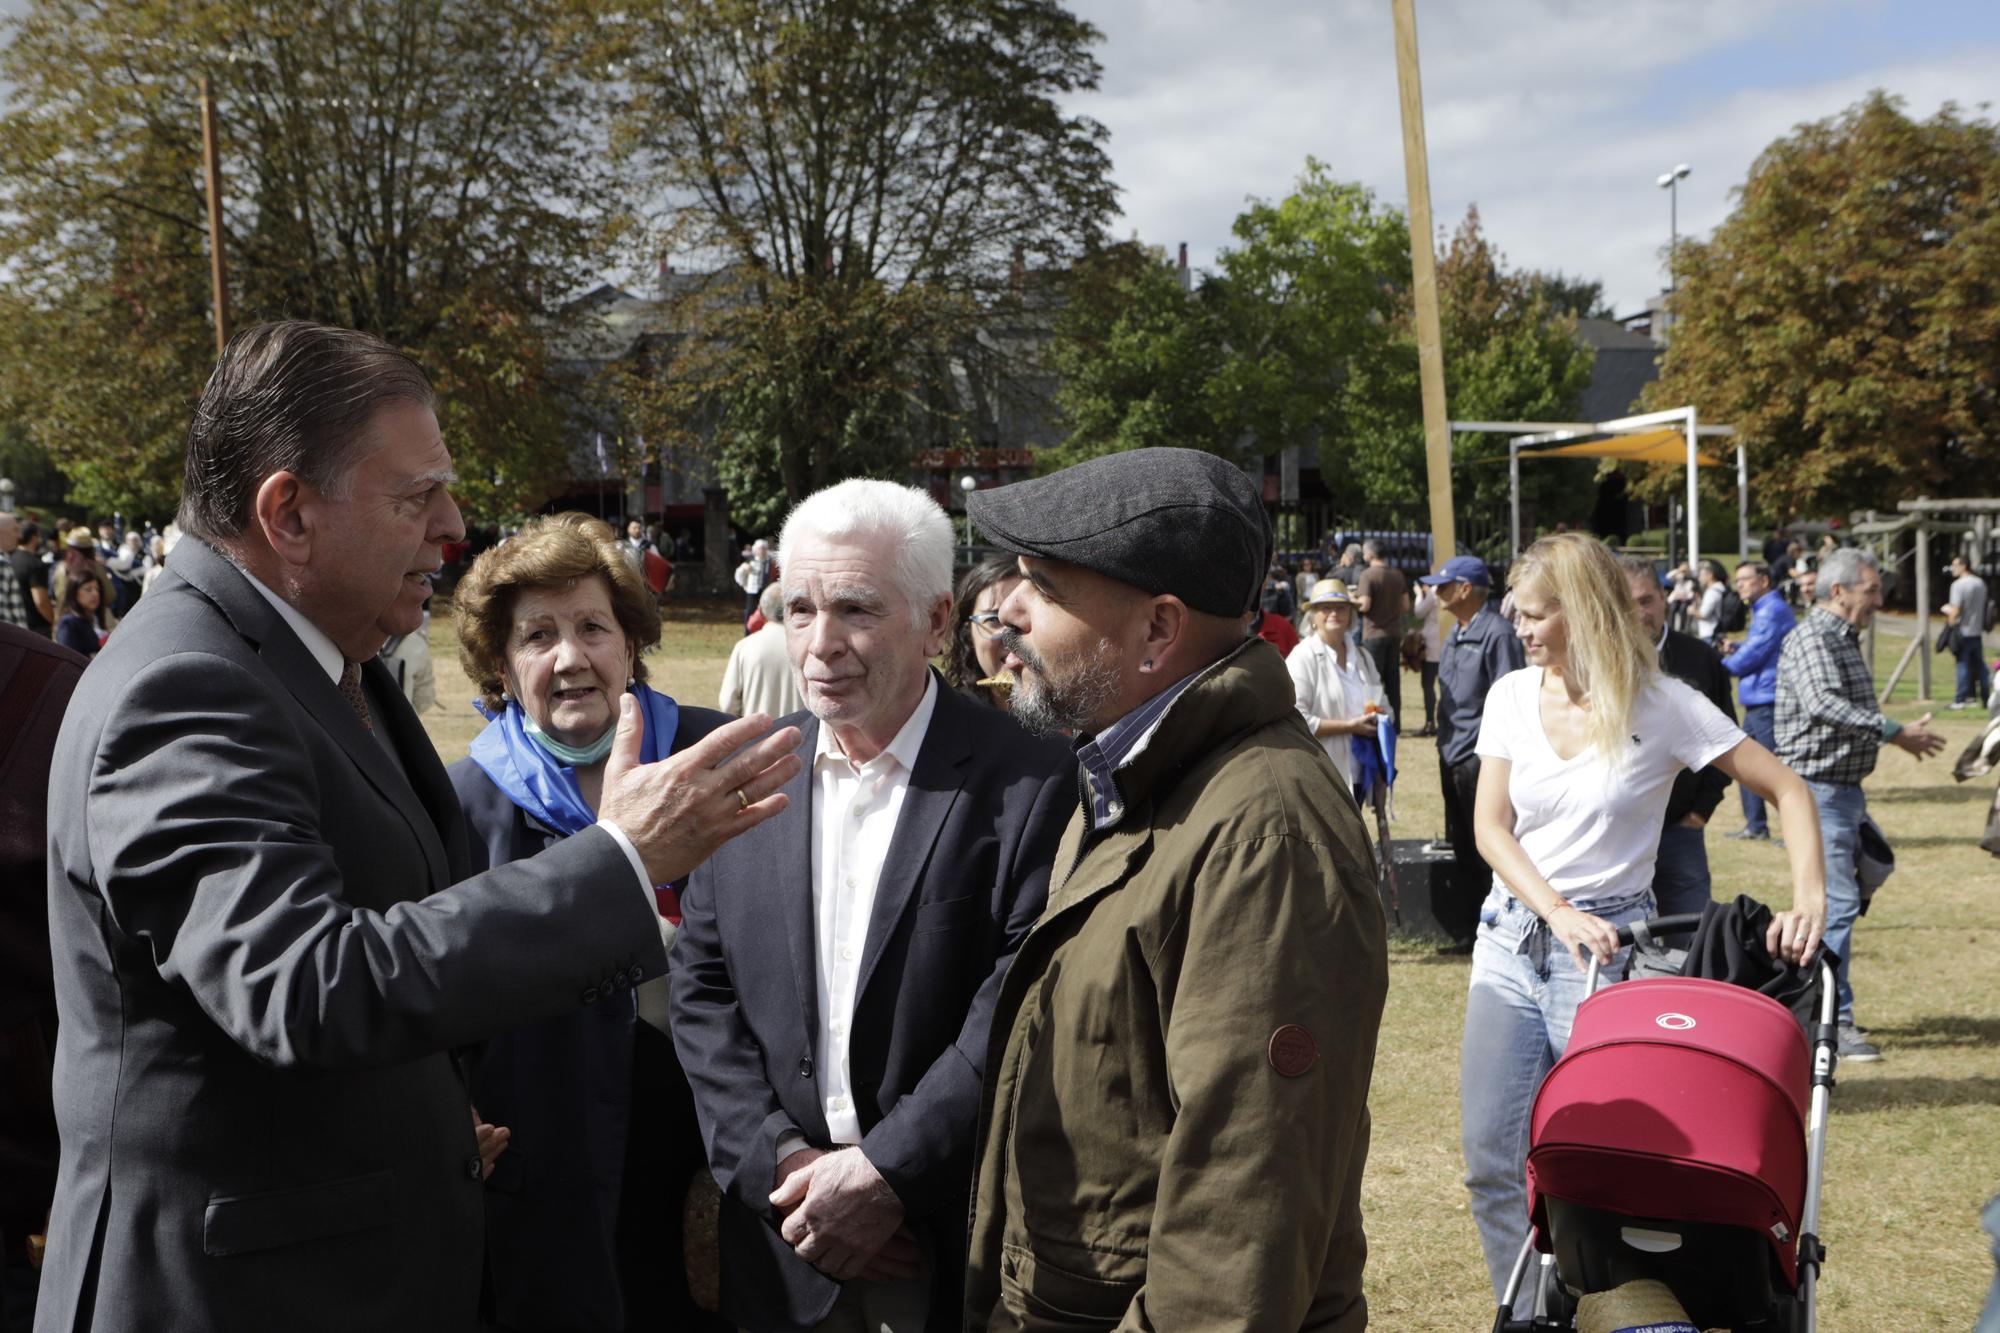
column 1973, row 677
column 1760, row 725
column 1680, row 871
column 1840, row 810
column 1518, row 1010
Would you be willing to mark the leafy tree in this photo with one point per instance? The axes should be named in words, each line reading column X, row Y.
column 866, row 174
column 1580, row 297
column 1140, row 360
column 1508, row 356
column 1846, row 316
column 420, row 169
column 1308, row 289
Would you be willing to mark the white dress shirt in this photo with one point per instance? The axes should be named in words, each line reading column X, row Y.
column 854, row 814
column 332, row 661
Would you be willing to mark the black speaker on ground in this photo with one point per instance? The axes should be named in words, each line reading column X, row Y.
column 1422, row 875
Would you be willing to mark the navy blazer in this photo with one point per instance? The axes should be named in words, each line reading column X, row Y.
column 965, row 878
column 583, row 1218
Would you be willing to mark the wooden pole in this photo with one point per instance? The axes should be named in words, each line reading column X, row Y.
column 1902, row 665
column 218, row 268
column 1423, row 265
column 1923, row 612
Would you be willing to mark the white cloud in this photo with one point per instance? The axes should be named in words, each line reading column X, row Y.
column 1553, row 115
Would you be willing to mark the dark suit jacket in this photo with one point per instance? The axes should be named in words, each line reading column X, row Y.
column 262, row 955
column 36, row 678
column 966, row 875
column 583, row 1211
column 1686, row 657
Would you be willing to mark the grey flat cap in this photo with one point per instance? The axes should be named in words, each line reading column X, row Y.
column 1176, row 521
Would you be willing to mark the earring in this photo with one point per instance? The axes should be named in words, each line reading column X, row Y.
column 1147, row 665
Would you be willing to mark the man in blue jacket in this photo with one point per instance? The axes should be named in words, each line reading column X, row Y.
column 1754, row 662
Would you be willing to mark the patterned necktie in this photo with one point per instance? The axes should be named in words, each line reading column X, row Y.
column 350, row 690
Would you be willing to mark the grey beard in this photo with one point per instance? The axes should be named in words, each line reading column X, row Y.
column 1047, row 704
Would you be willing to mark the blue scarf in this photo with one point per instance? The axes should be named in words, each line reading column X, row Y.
column 543, row 785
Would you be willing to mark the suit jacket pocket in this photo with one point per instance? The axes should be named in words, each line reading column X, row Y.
column 949, row 914
column 241, row 1223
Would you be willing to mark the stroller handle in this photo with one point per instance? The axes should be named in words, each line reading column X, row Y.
column 1641, row 930
column 1659, row 925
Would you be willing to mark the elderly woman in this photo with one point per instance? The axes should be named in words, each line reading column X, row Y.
column 1338, row 687
column 975, row 653
column 584, row 1205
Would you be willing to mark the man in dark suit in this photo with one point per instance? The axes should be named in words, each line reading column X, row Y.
column 36, row 678
column 834, row 978
column 1680, row 871
column 263, row 951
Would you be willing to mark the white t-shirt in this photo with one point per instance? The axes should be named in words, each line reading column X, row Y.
column 1593, row 829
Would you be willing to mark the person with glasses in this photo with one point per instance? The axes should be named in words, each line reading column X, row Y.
column 976, row 653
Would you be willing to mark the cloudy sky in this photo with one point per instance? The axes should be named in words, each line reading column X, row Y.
column 1554, row 116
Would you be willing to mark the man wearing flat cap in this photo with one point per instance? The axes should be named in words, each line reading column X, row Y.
column 1175, row 1114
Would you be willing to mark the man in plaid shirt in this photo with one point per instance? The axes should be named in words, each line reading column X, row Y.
column 1830, row 731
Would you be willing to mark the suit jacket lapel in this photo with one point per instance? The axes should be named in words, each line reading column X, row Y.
column 792, row 835
column 260, row 624
column 933, row 789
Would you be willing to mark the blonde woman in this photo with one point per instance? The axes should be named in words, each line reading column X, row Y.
column 1578, row 751
column 1338, row 687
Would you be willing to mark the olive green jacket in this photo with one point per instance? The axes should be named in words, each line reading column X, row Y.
column 1175, row 1114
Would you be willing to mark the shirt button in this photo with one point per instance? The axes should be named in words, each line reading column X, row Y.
column 1114, row 810
column 838, row 1028
column 847, row 953
column 849, row 881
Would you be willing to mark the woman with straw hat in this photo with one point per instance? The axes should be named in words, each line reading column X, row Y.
column 1338, row 687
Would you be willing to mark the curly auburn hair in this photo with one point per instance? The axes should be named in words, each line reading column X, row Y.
column 553, row 552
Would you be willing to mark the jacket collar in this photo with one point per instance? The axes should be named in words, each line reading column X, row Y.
column 1247, row 689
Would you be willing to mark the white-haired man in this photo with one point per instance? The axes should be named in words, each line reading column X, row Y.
column 834, row 981
column 1830, row 730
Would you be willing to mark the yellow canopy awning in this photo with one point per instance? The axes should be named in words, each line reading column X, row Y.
column 1651, row 446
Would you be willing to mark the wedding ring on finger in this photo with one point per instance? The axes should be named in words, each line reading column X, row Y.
column 742, row 801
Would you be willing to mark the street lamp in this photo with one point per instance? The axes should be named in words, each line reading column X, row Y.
column 968, row 485
column 1671, row 182
column 6, row 495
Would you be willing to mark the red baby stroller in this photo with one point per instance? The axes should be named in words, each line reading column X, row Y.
column 1675, row 1140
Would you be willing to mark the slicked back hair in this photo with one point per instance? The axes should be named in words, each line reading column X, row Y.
column 294, row 397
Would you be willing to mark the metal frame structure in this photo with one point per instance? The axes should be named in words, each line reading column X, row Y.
column 1528, row 434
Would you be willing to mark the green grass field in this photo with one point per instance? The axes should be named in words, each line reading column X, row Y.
column 1914, row 1147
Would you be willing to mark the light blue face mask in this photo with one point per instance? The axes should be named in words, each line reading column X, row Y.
column 574, row 756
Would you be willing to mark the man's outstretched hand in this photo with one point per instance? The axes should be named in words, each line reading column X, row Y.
column 1918, row 738
column 679, row 810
